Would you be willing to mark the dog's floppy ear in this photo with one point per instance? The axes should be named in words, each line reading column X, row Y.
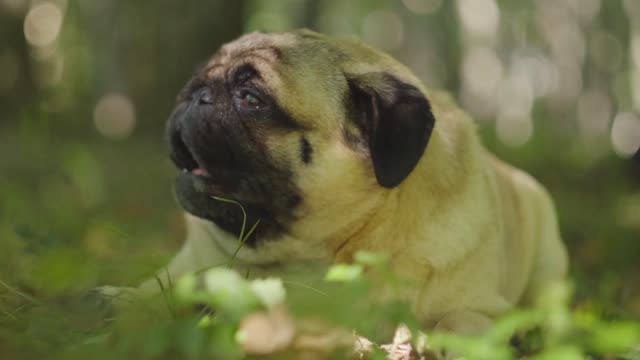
column 396, row 120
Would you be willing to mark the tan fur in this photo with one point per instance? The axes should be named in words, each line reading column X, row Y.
column 472, row 233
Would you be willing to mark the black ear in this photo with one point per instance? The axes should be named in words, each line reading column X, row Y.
column 396, row 120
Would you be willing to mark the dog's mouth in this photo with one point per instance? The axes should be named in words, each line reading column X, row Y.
column 199, row 180
column 185, row 159
column 212, row 192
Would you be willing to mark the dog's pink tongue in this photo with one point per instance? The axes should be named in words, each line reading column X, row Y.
column 200, row 172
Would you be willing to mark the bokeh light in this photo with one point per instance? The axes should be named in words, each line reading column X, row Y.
column 43, row 23
column 514, row 131
column 479, row 17
column 515, row 97
column 482, row 73
column 635, row 48
column 635, row 88
column 114, row 116
column 594, row 112
column 537, row 70
column 482, row 70
column 632, row 9
column 569, row 87
column 513, row 124
column 625, row 134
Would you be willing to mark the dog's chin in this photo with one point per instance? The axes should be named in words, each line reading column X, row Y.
column 196, row 192
column 200, row 195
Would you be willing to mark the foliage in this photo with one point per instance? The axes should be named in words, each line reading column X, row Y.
column 205, row 316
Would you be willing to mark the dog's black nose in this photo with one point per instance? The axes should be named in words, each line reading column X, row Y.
column 203, row 95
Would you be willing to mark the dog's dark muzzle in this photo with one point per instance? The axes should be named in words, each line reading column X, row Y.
column 222, row 166
column 204, row 133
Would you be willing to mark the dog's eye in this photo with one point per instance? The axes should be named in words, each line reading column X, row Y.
column 249, row 100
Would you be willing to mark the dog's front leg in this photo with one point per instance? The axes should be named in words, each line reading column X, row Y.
column 198, row 253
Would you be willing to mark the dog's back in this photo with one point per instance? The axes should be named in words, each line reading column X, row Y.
column 533, row 248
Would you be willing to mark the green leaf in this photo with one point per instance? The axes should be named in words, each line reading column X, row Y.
column 344, row 273
column 616, row 337
column 509, row 324
column 224, row 290
column 270, row 291
column 564, row 352
column 472, row 347
column 230, row 292
column 371, row 258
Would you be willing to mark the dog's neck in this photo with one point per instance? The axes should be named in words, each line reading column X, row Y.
column 430, row 181
column 448, row 191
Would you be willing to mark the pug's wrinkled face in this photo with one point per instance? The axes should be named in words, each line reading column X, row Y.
column 289, row 127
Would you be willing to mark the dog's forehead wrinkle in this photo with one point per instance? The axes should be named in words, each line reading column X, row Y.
column 263, row 63
column 243, row 72
column 269, row 44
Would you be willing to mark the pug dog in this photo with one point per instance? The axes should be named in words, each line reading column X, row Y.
column 330, row 147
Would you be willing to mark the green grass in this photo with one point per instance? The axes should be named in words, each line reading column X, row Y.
column 168, row 327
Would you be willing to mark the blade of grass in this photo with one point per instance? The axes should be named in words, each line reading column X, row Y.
column 165, row 297
column 242, row 238
column 20, row 293
column 8, row 314
column 305, row 286
column 244, row 213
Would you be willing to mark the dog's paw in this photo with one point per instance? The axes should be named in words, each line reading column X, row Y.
column 110, row 298
column 88, row 309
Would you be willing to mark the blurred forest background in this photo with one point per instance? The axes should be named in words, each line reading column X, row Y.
column 86, row 86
